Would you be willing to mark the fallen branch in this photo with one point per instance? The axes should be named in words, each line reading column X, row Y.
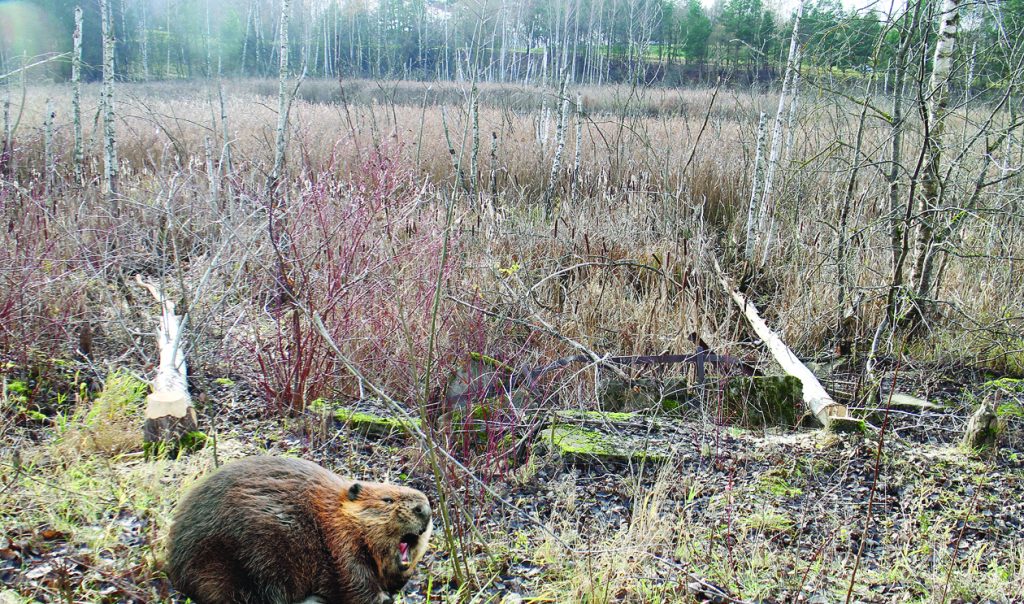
column 831, row 414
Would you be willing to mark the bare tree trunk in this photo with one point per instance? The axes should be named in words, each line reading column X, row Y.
column 48, row 145
column 931, row 185
column 245, row 39
column 474, row 163
column 898, row 222
column 559, row 147
column 283, row 104
column 209, row 55
column 579, row 142
column 225, row 158
column 752, row 209
column 76, row 95
column 144, row 36
column 773, row 157
column 109, row 142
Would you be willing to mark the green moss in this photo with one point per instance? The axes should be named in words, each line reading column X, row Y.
column 376, row 425
column 775, row 483
column 1010, row 409
column 611, row 416
column 1009, row 385
column 582, row 444
column 848, row 425
column 193, row 441
column 769, row 521
column 17, row 387
column 490, row 361
column 227, row 383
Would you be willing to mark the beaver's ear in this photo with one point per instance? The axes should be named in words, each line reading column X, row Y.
column 353, row 491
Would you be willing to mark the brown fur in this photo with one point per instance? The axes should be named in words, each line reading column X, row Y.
column 278, row 531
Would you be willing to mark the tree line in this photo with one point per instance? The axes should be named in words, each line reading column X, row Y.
column 529, row 41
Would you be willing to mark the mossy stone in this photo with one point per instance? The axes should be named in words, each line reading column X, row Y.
column 375, row 425
column 589, row 443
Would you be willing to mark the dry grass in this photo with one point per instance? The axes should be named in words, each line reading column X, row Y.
column 629, row 200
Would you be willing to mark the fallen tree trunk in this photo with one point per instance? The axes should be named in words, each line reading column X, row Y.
column 170, row 417
column 831, row 414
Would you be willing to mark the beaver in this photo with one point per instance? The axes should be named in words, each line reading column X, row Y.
column 275, row 530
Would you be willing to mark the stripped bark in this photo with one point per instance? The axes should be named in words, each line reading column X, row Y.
column 169, row 412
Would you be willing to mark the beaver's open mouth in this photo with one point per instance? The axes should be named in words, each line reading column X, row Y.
column 406, row 544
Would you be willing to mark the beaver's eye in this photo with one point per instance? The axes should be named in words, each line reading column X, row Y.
column 388, row 500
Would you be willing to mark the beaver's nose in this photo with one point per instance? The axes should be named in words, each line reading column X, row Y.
column 422, row 511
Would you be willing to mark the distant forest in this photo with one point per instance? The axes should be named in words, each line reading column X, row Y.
column 530, row 41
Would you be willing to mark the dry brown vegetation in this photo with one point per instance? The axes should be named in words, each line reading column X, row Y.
column 417, row 237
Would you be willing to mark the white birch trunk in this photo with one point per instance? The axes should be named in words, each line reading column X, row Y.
column 942, row 65
column 282, row 96
column 76, row 95
column 144, row 40
column 556, row 161
column 109, row 141
column 752, row 209
column 474, row 109
column 48, row 144
column 787, row 83
column 579, row 141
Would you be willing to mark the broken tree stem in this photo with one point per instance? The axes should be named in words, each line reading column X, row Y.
column 817, row 400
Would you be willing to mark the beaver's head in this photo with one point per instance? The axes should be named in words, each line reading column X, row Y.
column 396, row 527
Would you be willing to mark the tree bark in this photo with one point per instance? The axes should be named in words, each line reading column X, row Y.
column 931, row 184
column 283, row 104
column 109, row 142
column 76, row 95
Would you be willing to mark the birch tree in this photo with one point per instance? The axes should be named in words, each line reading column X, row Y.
column 931, row 185
column 283, row 104
column 76, row 94
column 109, row 146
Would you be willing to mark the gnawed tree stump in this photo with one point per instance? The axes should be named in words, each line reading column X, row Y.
column 170, row 419
column 984, row 426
